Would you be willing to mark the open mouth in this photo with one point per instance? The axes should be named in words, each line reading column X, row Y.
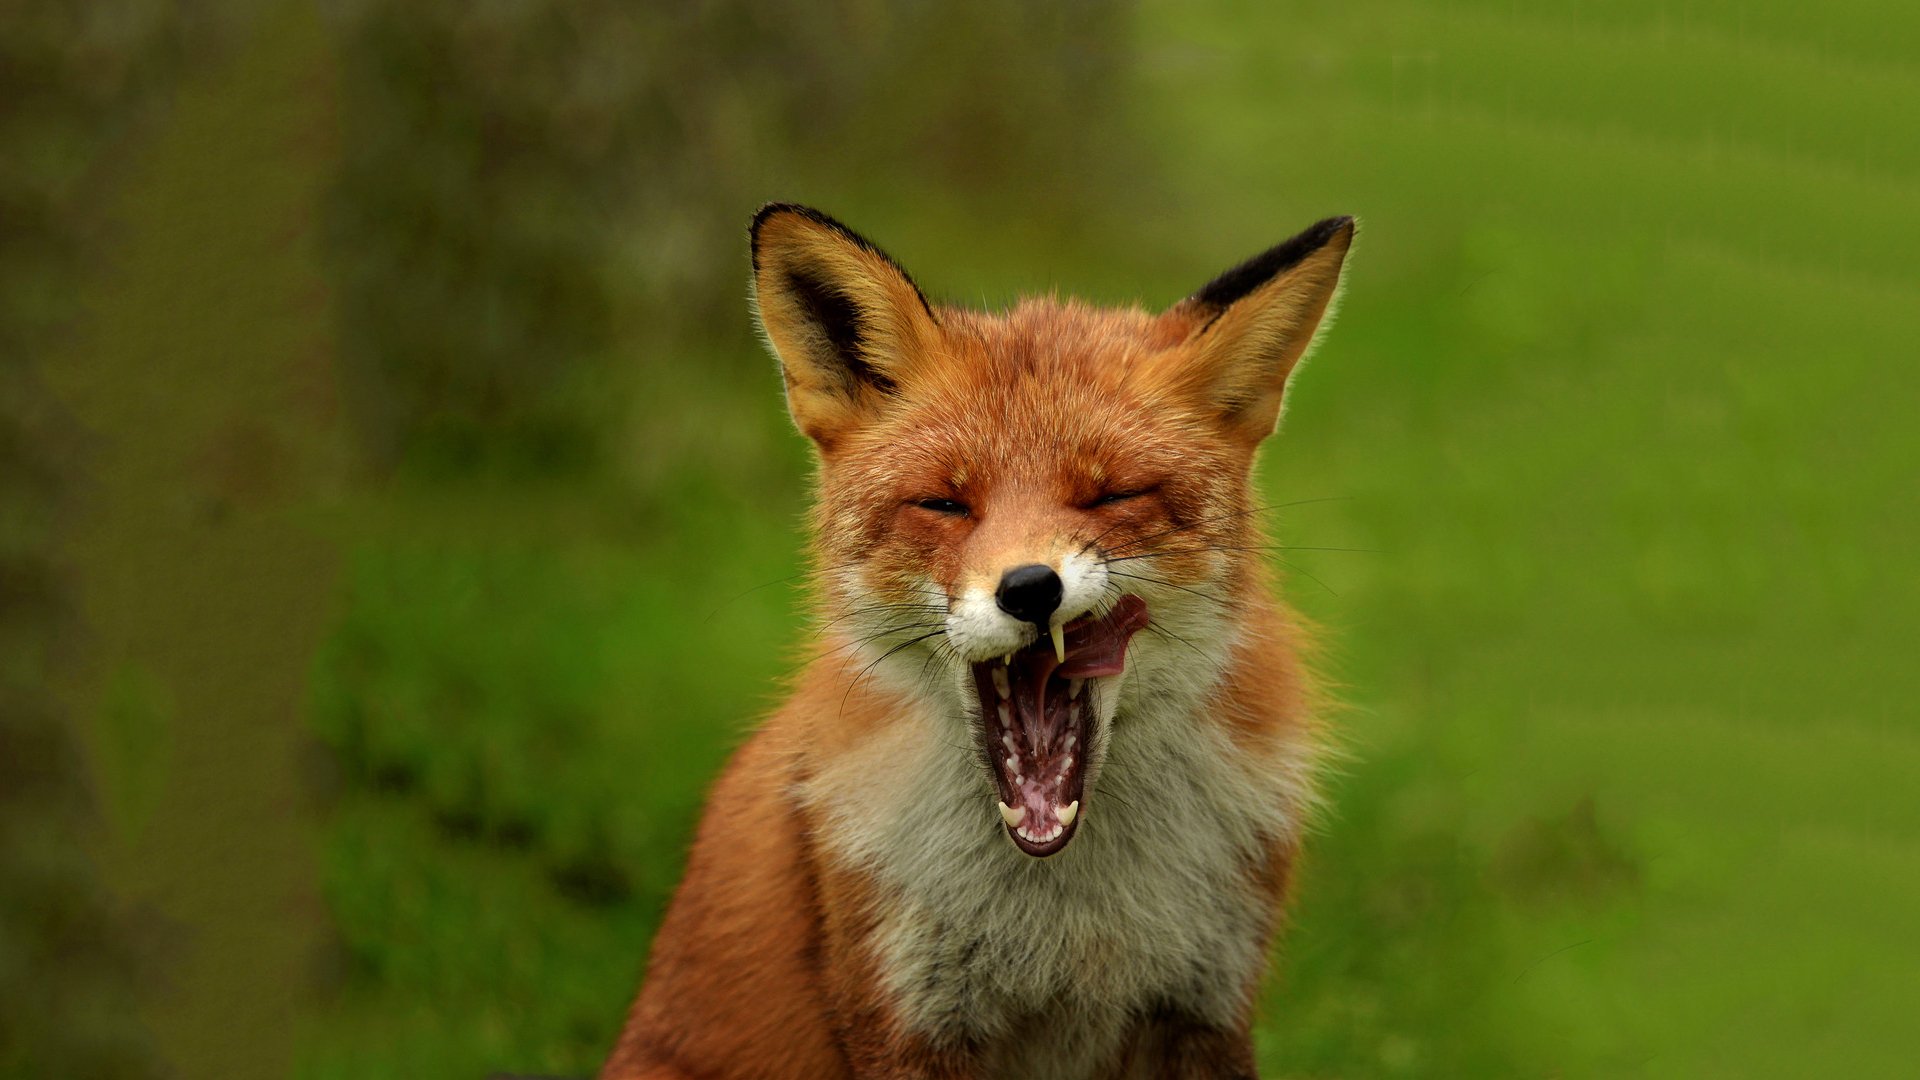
column 1036, row 714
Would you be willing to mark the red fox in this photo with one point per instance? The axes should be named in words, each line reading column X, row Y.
column 1032, row 807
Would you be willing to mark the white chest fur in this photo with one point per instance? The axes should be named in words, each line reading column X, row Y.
column 1149, row 906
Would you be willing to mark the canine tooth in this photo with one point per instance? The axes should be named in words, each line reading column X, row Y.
column 1059, row 643
column 1000, row 681
column 1014, row 817
column 1073, row 688
column 1066, row 813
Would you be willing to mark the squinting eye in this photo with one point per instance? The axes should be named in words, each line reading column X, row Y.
column 1112, row 497
column 944, row 506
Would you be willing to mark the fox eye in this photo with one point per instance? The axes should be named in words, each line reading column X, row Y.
column 949, row 507
column 1112, row 497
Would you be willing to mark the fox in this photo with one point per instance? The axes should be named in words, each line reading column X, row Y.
column 1033, row 804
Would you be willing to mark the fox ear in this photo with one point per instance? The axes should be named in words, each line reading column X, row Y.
column 1247, row 329
column 845, row 321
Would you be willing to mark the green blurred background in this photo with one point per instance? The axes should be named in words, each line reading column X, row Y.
column 400, row 518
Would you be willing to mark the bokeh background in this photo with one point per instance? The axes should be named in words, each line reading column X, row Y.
column 401, row 521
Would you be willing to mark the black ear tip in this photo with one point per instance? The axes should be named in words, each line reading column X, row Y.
column 826, row 221
column 1278, row 259
column 761, row 215
column 775, row 209
column 1328, row 228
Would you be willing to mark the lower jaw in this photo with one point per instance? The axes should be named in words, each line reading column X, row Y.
column 1049, row 806
column 1042, row 849
column 1055, row 839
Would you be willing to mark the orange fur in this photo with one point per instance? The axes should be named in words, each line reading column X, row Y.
column 780, row 954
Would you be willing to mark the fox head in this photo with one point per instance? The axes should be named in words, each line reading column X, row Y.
column 1007, row 500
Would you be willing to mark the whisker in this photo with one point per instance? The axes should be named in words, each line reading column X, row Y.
column 722, row 605
column 1217, row 667
column 943, row 647
column 1295, row 568
column 853, row 645
column 883, row 656
column 1236, row 547
column 891, row 630
column 1166, row 633
column 922, row 609
column 1221, row 600
column 1109, row 791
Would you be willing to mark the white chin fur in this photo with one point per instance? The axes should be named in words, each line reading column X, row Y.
column 971, row 934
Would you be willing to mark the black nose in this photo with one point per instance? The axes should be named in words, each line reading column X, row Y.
column 1030, row 593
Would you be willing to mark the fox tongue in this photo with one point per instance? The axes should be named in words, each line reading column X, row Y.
column 1099, row 647
column 1034, row 668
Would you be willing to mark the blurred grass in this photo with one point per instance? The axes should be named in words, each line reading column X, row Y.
column 1616, row 396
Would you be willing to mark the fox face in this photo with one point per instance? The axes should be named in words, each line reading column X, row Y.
column 1042, row 519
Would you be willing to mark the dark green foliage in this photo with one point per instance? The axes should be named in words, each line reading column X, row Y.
column 73, row 81
column 487, row 149
column 521, row 181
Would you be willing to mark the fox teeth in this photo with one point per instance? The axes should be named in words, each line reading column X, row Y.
column 1059, row 643
column 1014, row 817
column 1047, row 837
column 1007, row 659
column 1000, row 681
column 1006, row 715
column 1066, row 814
column 1073, row 688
